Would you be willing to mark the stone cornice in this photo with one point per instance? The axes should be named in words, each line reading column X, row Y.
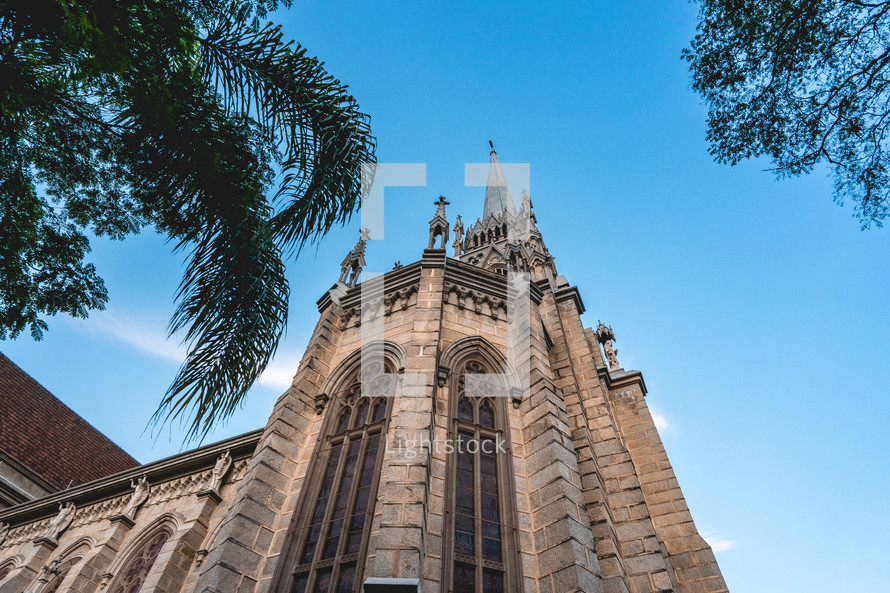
column 570, row 293
column 621, row 378
column 22, row 469
column 393, row 280
column 115, row 485
column 485, row 281
column 433, row 258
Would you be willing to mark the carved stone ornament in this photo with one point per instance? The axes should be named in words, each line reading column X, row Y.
column 321, row 400
column 140, row 495
column 200, row 556
column 106, row 578
column 442, row 375
column 4, row 531
column 604, row 332
column 516, row 396
column 48, row 571
column 61, row 521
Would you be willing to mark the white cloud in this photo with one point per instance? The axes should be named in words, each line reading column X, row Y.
column 148, row 336
column 659, row 419
column 141, row 334
column 717, row 542
column 280, row 374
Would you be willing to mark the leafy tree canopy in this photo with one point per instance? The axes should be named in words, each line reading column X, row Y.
column 800, row 82
column 191, row 117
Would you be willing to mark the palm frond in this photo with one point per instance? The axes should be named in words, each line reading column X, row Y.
column 325, row 138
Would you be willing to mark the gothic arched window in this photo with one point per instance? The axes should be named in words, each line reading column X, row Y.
column 331, row 548
column 5, row 569
column 133, row 574
column 479, row 560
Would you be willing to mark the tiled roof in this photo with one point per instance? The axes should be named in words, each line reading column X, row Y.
column 46, row 436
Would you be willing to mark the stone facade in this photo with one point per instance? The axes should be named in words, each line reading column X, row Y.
column 586, row 499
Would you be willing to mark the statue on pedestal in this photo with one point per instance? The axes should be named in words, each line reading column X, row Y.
column 606, row 336
column 219, row 472
column 140, row 495
column 60, row 522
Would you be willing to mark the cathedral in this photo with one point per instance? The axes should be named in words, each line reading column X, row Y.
column 452, row 427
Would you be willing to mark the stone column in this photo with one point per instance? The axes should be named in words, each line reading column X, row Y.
column 566, row 558
column 630, row 555
column 396, row 551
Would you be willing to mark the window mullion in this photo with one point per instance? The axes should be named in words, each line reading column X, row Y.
column 477, row 495
column 353, row 492
column 329, row 511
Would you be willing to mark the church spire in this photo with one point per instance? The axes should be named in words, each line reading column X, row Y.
column 497, row 194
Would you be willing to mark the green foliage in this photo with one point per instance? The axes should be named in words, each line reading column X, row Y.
column 187, row 116
column 800, row 82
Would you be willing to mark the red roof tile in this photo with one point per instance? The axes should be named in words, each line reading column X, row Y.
column 46, row 436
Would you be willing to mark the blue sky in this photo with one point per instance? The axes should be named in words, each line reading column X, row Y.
column 756, row 309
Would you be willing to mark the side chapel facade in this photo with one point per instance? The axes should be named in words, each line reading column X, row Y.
column 563, row 487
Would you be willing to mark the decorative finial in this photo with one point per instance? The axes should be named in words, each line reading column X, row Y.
column 355, row 260
column 439, row 225
column 492, row 145
column 458, row 237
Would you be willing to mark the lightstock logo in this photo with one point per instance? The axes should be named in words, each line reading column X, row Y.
column 514, row 382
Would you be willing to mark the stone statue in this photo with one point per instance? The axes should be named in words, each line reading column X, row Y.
column 355, row 260
column 4, row 531
column 606, row 336
column 439, row 225
column 611, row 355
column 61, row 522
column 140, row 495
column 526, row 202
column 219, row 472
column 458, row 237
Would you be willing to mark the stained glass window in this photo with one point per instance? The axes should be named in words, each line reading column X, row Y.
column 477, row 563
column 331, row 553
column 135, row 571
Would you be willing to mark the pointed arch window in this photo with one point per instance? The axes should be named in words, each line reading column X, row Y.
column 133, row 574
column 331, row 548
column 479, row 546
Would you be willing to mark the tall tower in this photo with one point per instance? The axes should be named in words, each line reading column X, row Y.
column 431, row 461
